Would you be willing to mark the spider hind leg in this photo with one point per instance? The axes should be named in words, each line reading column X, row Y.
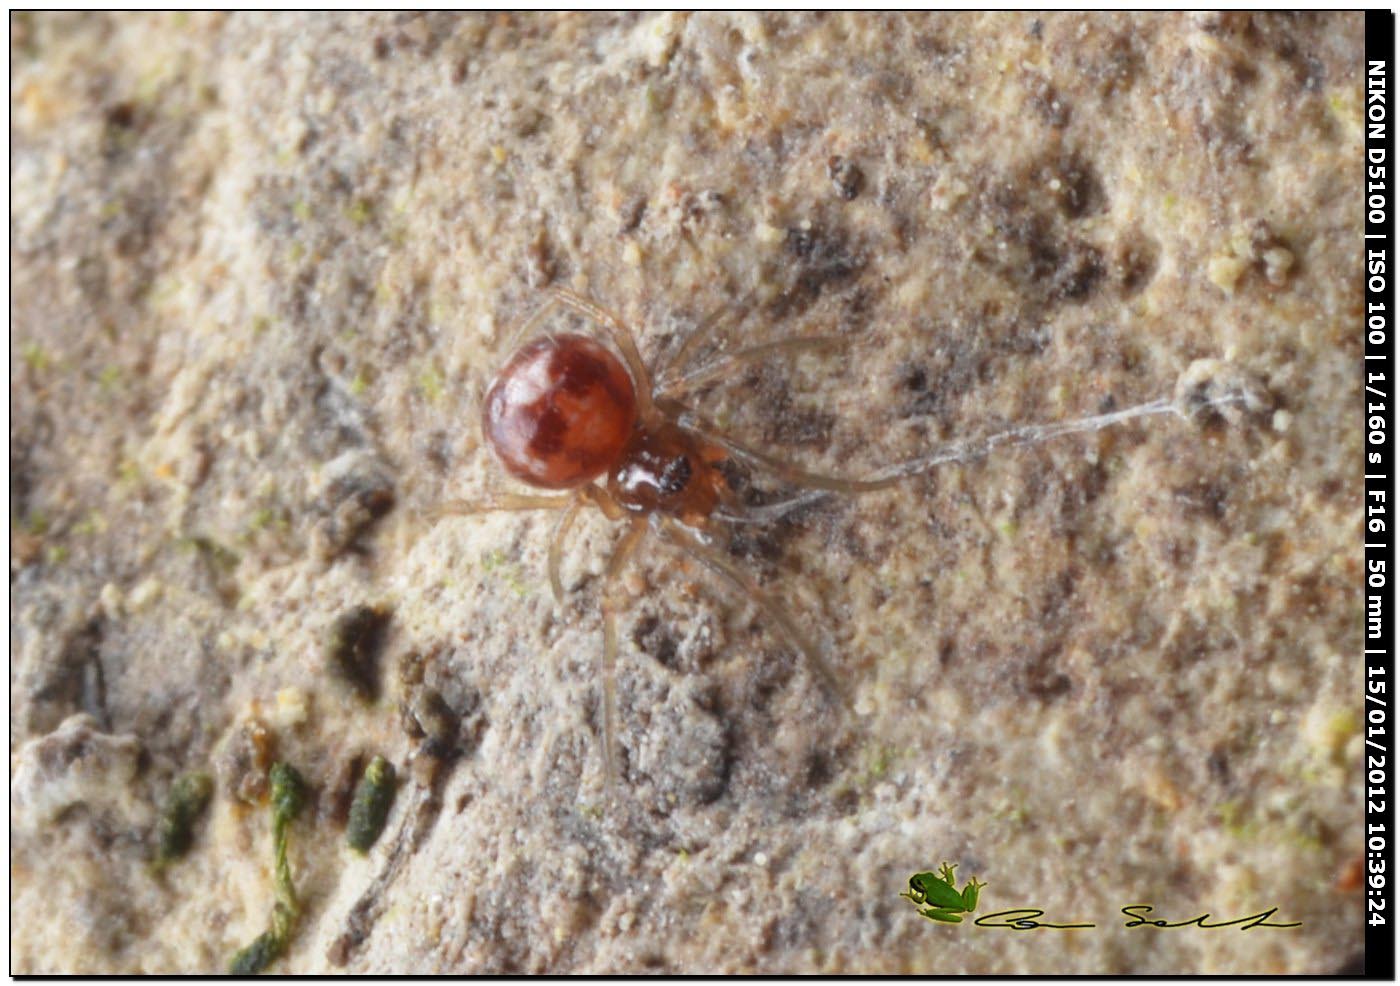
column 620, row 556
column 783, row 622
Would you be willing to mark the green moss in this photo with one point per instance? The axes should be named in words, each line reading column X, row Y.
column 288, row 799
column 288, row 794
column 374, row 796
column 261, row 953
column 301, row 210
column 184, row 806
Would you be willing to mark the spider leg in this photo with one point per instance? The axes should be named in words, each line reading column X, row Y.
column 498, row 501
column 604, row 501
column 977, row 448
column 769, row 512
column 673, row 385
column 959, row 451
column 556, row 545
column 619, row 558
column 533, row 320
column 693, row 339
column 621, row 338
column 749, row 589
column 782, row 470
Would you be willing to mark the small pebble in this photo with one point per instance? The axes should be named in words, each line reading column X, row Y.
column 146, row 593
column 291, row 707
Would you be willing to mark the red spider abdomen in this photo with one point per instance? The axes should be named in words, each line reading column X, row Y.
column 560, row 412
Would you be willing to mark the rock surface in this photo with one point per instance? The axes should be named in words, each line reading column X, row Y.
column 263, row 268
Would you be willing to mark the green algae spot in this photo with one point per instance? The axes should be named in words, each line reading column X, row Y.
column 110, row 379
column 35, row 357
column 359, row 212
column 496, row 561
column 430, row 384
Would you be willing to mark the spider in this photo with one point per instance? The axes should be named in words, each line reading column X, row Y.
column 591, row 422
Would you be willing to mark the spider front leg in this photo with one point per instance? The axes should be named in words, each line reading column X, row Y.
column 525, row 327
column 556, row 544
column 498, row 501
column 675, row 385
column 570, row 505
column 672, row 366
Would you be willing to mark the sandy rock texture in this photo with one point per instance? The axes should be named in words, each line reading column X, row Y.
column 263, row 268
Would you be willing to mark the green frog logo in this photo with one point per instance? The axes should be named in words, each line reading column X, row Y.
column 937, row 897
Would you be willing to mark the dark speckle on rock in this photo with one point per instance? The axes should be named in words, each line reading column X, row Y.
column 846, row 176
column 653, row 639
column 244, row 758
column 822, row 259
column 1134, row 262
column 1043, row 680
column 684, row 763
column 352, row 648
column 357, row 491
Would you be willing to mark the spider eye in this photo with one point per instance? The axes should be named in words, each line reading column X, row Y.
column 675, row 476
